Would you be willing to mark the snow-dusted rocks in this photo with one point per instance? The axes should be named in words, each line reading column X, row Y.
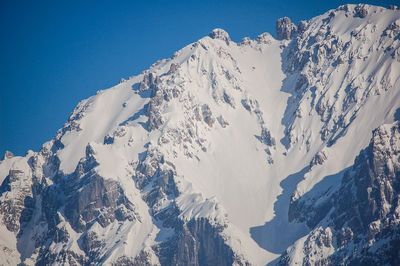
column 361, row 10
column 221, row 35
column 362, row 214
column 285, row 28
column 8, row 155
column 208, row 156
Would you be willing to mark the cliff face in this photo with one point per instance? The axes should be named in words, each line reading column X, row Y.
column 359, row 222
column 264, row 151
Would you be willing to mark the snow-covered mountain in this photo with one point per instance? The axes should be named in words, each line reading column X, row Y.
column 266, row 151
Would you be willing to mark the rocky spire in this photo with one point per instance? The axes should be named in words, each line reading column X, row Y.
column 8, row 155
column 285, row 28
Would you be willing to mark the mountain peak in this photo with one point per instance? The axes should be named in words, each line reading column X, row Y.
column 285, row 28
column 220, row 34
column 8, row 155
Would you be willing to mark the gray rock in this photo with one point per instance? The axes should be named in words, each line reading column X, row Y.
column 340, row 60
column 229, row 99
column 143, row 259
column 8, row 155
column 61, row 235
column 198, row 243
column 264, row 38
column 361, row 11
column 285, row 28
column 302, row 26
column 318, row 159
column 91, row 245
column 16, row 208
column 345, row 236
column 173, row 68
column 221, row 35
column 150, row 81
column 222, row 121
column 266, row 137
column 362, row 212
column 93, row 199
column 207, row 115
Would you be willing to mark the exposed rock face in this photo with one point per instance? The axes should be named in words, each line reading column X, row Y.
column 99, row 201
column 8, row 155
column 207, row 115
column 222, row 121
column 173, row 68
column 197, row 243
column 221, row 35
column 90, row 198
column 16, row 211
column 302, row 26
column 361, row 11
column 285, row 28
column 364, row 213
column 150, row 82
column 370, row 193
column 321, row 50
column 319, row 158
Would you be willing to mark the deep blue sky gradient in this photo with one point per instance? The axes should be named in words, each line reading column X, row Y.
column 55, row 53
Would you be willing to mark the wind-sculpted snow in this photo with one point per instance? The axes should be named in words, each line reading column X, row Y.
column 226, row 153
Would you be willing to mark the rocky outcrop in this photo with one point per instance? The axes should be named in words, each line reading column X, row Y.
column 94, row 199
column 221, row 35
column 197, row 243
column 361, row 11
column 364, row 213
column 150, row 82
column 319, row 158
column 322, row 50
column 371, row 192
column 207, row 115
column 8, row 155
column 302, row 26
column 16, row 199
column 285, row 28
column 143, row 259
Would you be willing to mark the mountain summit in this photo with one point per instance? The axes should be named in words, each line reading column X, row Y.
column 264, row 151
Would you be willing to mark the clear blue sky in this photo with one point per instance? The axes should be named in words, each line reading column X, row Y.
column 55, row 53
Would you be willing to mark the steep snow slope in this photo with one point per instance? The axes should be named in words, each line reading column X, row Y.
column 201, row 158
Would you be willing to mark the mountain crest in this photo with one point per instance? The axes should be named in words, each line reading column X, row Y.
column 220, row 34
